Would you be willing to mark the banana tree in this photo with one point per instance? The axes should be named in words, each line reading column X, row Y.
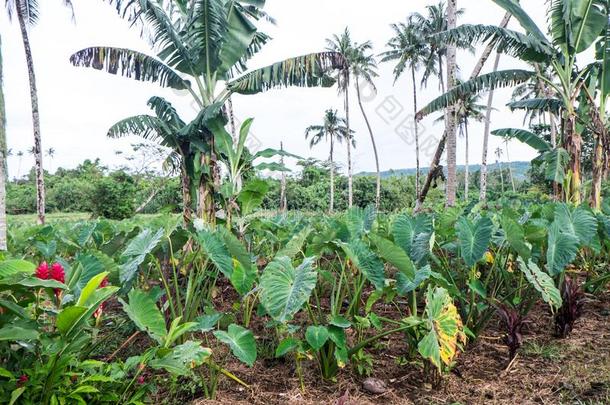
column 202, row 47
column 167, row 129
column 575, row 26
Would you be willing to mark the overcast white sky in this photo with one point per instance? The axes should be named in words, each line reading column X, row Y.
column 78, row 105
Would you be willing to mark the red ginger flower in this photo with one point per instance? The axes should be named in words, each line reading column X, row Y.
column 22, row 380
column 57, row 273
column 42, row 271
column 100, row 309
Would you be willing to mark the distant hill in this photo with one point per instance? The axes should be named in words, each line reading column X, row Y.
column 519, row 170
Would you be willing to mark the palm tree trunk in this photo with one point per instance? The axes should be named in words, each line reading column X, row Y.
column 415, row 126
column 283, row 201
column 368, row 125
column 490, row 100
column 466, row 168
column 350, row 179
column 441, row 143
column 3, row 165
column 510, row 170
column 450, row 116
column 332, row 175
column 501, row 174
column 40, row 192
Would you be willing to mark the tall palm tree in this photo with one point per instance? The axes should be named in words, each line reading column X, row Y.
column 499, row 164
column 433, row 23
column 3, row 158
column 27, row 12
column 451, row 113
column 209, row 43
column 573, row 30
column 364, row 66
column 412, row 51
column 510, row 170
column 20, row 156
column 333, row 129
column 468, row 110
column 51, row 154
column 343, row 45
column 428, row 25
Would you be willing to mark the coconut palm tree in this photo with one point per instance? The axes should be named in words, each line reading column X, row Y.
column 20, row 156
column 573, row 30
column 333, row 129
column 498, row 153
column 364, row 67
column 202, row 47
column 451, row 112
column 3, row 157
column 412, row 52
column 343, row 45
column 438, row 19
column 51, row 154
column 27, row 13
column 466, row 111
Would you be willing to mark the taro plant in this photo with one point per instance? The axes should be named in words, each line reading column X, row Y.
column 182, row 359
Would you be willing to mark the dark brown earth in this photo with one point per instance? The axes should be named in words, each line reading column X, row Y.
column 546, row 370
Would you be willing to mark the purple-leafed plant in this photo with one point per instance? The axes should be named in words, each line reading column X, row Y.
column 513, row 322
column 573, row 301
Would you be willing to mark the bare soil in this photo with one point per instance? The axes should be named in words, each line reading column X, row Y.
column 546, row 370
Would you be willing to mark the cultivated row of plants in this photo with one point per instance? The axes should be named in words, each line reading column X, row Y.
column 309, row 288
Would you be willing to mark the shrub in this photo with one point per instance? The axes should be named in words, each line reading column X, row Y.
column 113, row 197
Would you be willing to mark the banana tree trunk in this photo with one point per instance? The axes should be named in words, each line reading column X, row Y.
column 3, row 165
column 556, row 189
column 40, row 191
column 598, row 168
column 368, row 125
column 450, row 116
column 332, row 175
column 187, row 200
column 573, row 144
column 232, row 120
column 416, row 127
column 207, row 208
column 350, row 180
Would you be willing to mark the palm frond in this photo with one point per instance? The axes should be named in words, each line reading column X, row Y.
column 129, row 63
column 513, row 43
column 489, row 81
column 310, row 70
